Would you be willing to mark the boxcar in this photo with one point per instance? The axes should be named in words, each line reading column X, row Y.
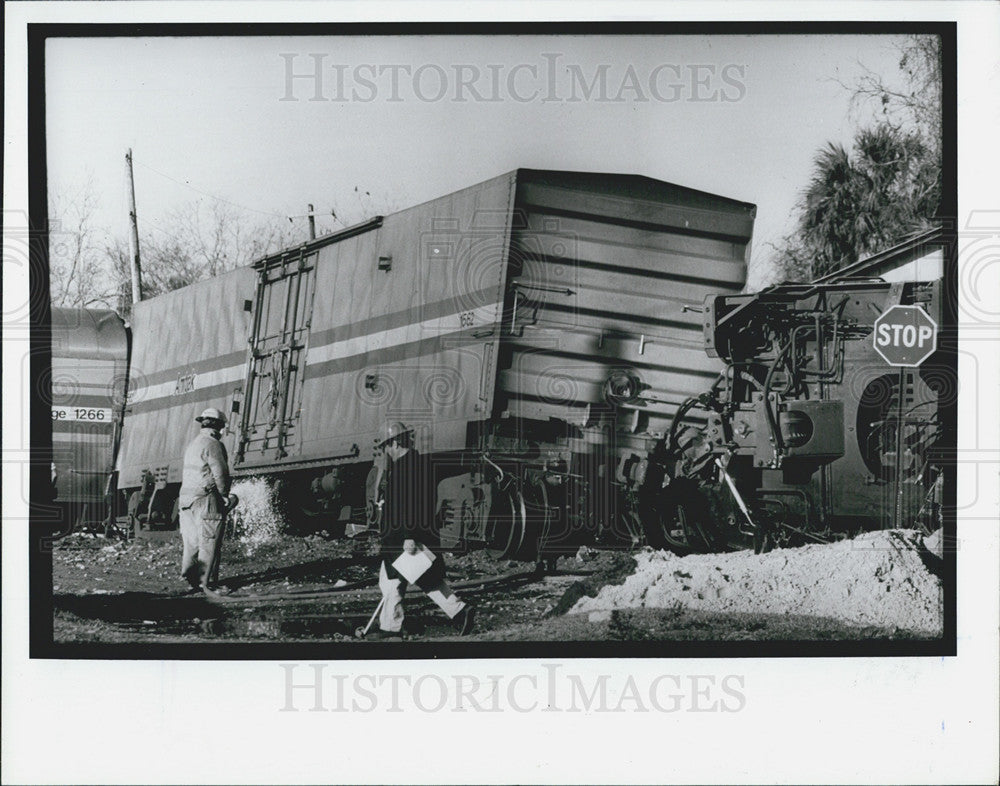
column 189, row 352
column 88, row 379
column 538, row 330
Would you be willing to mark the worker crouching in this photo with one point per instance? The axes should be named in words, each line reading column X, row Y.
column 406, row 526
column 204, row 503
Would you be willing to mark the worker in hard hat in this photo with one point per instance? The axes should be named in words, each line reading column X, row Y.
column 204, row 502
column 407, row 525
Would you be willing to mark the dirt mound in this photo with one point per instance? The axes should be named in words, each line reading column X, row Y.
column 878, row 578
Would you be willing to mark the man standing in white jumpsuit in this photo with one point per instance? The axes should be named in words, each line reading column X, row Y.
column 204, row 502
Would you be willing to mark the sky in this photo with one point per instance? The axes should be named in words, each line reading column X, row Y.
column 410, row 118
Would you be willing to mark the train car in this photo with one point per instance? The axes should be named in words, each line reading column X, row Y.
column 811, row 433
column 189, row 352
column 88, row 379
column 539, row 331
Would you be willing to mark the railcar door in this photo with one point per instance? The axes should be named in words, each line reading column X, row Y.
column 272, row 401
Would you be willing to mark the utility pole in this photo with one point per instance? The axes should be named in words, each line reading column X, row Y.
column 312, row 223
column 134, row 235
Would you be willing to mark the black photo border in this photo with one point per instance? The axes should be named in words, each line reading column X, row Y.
column 41, row 644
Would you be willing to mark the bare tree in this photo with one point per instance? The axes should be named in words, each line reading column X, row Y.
column 217, row 237
column 78, row 274
column 917, row 101
column 197, row 240
column 166, row 266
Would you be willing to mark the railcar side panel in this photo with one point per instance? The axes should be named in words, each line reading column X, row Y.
column 189, row 352
column 89, row 370
column 404, row 325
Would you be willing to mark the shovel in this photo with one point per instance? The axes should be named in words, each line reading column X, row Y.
column 360, row 633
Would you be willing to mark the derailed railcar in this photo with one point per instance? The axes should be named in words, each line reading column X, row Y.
column 88, row 379
column 810, row 432
column 538, row 330
column 189, row 351
column 603, row 343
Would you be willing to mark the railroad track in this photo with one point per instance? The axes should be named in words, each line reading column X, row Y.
column 318, row 614
column 363, row 589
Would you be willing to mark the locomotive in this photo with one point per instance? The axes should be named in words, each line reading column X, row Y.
column 539, row 331
column 809, row 432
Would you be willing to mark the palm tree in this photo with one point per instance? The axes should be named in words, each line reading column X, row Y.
column 889, row 186
column 858, row 205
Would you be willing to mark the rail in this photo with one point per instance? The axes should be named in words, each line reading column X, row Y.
column 366, row 588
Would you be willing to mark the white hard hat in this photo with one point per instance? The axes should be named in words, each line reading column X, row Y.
column 391, row 431
column 211, row 413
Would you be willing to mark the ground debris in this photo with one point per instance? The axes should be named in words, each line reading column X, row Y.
column 285, row 589
column 612, row 567
column 876, row 579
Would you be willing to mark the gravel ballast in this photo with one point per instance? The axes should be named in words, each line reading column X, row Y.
column 878, row 578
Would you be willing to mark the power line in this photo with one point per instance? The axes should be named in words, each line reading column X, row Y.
column 206, row 193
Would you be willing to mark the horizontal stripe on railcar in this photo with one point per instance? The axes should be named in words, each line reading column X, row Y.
column 349, row 354
column 71, row 437
column 195, row 367
column 456, row 305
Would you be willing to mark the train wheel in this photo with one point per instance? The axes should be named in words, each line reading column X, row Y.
column 374, row 496
column 506, row 527
column 316, row 515
column 675, row 530
column 316, row 519
column 538, row 524
column 679, row 520
column 762, row 541
column 295, row 503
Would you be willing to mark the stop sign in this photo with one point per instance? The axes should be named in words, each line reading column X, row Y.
column 905, row 336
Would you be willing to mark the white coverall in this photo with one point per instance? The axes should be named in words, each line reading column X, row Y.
column 204, row 488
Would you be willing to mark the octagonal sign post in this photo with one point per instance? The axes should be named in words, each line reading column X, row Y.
column 905, row 336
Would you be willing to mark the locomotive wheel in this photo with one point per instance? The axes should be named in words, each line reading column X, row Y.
column 537, row 523
column 680, row 519
column 506, row 528
column 762, row 541
column 316, row 518
column 676, row 531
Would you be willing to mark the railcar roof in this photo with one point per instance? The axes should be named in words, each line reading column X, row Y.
column 623, row 186
column 633, row 187
column 88, row 333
